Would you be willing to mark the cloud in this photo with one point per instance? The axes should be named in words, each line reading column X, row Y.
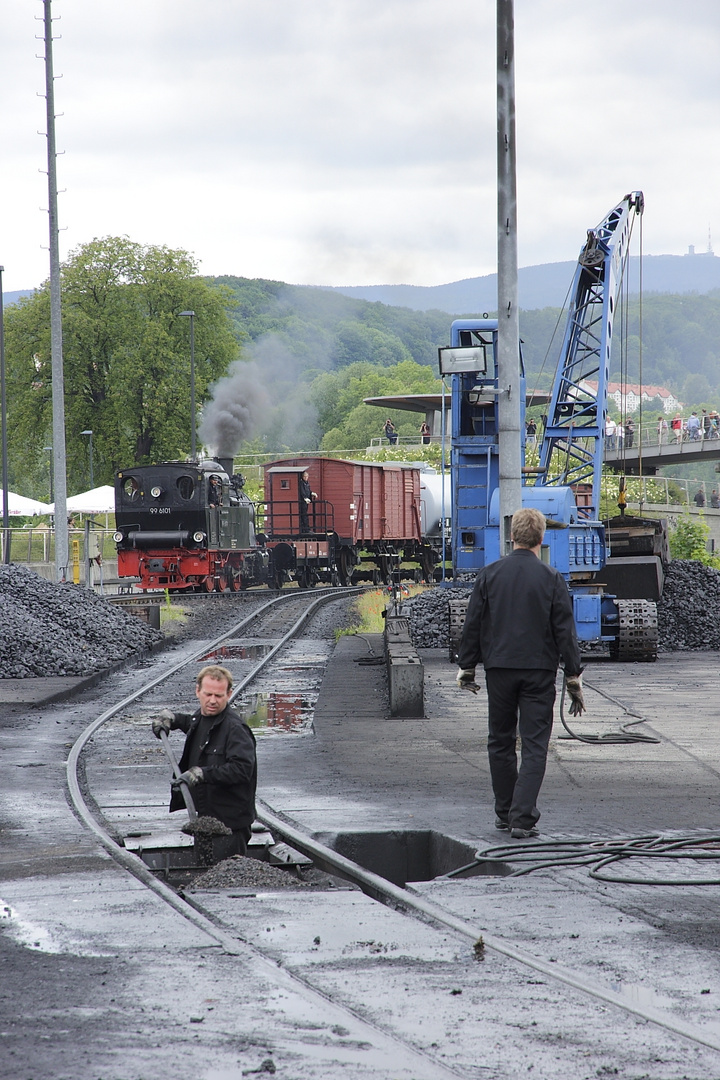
column 354, row 142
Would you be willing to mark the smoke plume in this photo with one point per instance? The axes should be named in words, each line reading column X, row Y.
column 264, row 396
column 236, row 411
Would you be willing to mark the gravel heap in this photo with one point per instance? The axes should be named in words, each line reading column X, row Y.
column 48, row 629
column 240, row 872
column 428, row 615
column 686, row 613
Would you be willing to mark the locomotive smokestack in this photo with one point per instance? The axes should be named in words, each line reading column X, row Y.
column 226, row 463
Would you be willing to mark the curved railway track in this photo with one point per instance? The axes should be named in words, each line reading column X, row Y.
column 404, row 900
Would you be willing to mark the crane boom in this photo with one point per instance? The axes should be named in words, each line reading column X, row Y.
column 572, row 446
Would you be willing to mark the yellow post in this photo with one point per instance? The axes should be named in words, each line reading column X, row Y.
column 76, row 561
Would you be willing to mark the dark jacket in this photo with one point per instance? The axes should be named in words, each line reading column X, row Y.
column 520, row 615
column 229, row 766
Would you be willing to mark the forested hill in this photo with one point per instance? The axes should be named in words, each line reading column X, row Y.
column 323, row 330
column 545, row 285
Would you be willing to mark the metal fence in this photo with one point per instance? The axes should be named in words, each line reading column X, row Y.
column 38, row 545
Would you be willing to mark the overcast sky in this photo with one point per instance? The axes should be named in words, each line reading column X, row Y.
column 349, row 142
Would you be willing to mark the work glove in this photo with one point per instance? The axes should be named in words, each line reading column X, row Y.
column 575, row 690
column 191, row 777
column 163, row 722
column 465, row 679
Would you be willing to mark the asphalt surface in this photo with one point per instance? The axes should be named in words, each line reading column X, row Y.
column 102, row 980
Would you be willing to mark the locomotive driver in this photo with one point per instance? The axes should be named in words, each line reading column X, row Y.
column 218, row 762
column 519, row 623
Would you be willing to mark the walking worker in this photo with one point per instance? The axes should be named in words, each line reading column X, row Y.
column 218, row 762
column 519, row 623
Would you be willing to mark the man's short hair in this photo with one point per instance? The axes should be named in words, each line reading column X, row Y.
column 214, row 671
column 527, row 528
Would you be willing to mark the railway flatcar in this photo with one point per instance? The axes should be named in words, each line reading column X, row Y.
column 187, row 526
column 361, row 512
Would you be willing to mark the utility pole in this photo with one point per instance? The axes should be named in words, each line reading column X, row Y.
column 509, row 404
column 3, row 410
column 58, row 381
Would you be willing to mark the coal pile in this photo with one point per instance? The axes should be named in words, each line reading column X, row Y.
column 686, row 613
column 48, row 629
column 428, row 615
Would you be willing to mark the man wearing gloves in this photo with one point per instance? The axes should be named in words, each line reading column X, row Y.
column 218, row 762
column 519, row 624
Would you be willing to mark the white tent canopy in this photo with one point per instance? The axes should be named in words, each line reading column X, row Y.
column 19, row 506
column 100, row 500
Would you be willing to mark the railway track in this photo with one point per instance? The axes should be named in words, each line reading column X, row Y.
column 224, row 931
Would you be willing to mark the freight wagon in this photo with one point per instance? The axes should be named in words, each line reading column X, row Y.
column 361, row 512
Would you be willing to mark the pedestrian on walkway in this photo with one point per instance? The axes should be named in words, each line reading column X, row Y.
column 677, row 426
column 699, row 497
column 518, row 625
column 610, row 431
column 662, row 428
column 629, row 432
column 218, row 762
column 693, row 427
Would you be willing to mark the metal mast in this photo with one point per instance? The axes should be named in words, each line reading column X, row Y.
column 58, row 388
column 508, row 347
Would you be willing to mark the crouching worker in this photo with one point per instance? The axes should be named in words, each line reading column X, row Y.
column 218, row 762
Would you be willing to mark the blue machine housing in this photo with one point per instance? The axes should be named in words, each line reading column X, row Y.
column 575, row 545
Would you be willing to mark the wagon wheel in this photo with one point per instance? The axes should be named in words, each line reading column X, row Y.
column 427, row 563
column 311, row 579
column 345, row 565
column 278, row 579
column 384, row 568
column 302, row 576
column 234, row 581
column 208, row 583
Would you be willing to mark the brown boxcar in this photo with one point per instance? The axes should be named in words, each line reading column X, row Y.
column 364, row 503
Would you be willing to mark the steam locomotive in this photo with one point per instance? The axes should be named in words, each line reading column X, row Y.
column 191, row 526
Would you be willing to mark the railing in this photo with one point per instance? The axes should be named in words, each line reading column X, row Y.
column 380, row 441
column 38, row 545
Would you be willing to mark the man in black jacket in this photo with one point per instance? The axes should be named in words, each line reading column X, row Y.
column 519, row 623
column 218, row 762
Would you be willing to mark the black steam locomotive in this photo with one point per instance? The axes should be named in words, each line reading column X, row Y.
column 188, row 525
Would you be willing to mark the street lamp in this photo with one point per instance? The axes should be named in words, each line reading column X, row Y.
column 191, row 316
column 92, row 482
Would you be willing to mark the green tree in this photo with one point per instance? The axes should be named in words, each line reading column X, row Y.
column 348, row 423
column 126, row 358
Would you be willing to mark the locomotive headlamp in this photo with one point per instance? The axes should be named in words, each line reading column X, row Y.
column 117, row 537
column 198, row 537
column 156, row 492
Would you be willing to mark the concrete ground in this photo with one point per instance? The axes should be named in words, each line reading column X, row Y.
column 101, row 980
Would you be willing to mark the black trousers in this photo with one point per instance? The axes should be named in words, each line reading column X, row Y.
column 519, row 699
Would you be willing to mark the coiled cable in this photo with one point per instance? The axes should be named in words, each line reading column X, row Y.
column 599, row 855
